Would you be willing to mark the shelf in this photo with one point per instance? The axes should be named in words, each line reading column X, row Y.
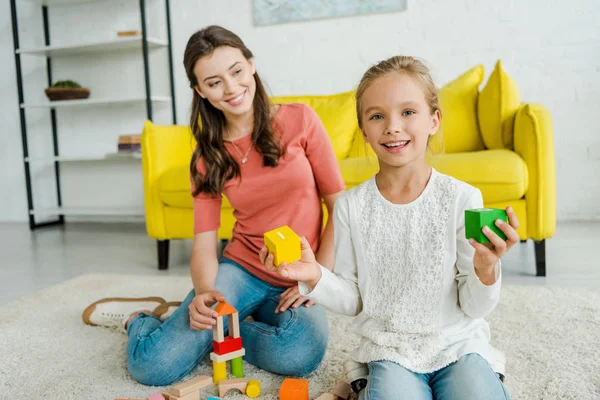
column 125, row 43
column 93, row 102
column 88, row 211
column 107, row 157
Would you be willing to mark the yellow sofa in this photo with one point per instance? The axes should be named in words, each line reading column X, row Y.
column 490, row 140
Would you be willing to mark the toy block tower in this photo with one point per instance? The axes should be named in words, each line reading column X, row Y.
column 477, row 218
column 285, row 245
column 227, row 348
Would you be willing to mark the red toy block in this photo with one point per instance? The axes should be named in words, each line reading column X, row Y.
column 294, row 389
column 227, row 346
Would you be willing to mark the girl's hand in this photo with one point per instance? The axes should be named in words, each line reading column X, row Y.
column 304, row 270
column 202, row 317
column 487, row 254
column 292, row 298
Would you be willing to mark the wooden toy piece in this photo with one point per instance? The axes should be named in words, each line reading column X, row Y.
column 227, row 357
column 228, row 345
column 233, row 321
column 229, row 384
column 253, row 389
column 218, row 330
column 237, row 367
column 224, row 308
column 293, row 389
column 190, row 396
column 219, row 371
column 190, row 386
column 214, row 398
column 342, row 390
column 327, row 396
column 477, row 218
column 129, row 33
column 157, row 396
column 284, row 243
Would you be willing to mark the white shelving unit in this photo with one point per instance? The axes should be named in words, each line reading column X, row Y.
column 141, row 43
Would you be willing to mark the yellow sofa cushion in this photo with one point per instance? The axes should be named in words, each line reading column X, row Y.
column 501, row 175
column 174, row 188
column 357, row 170
column 497, row 106
column 458, row 100
column 338, row 114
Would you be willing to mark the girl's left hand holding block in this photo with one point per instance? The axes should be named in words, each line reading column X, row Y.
column 487, row 254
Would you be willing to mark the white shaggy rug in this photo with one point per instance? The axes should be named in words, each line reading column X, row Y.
column 551, row 338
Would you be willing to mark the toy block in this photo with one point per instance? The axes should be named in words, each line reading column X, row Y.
column 224, row 308
column 218, row 330
column 190, row 386
column 219, row 371
column 253, row 389
column 190, row 396
column 293, row 389
column 237, row 367
column 229, row 384
column 227, row 346
column 342, row 390
column 157, row 396
column 229, row 356
column 233, row 321
column 327, row 396
column 284, row 243
column 477, row 218
column 214, row 398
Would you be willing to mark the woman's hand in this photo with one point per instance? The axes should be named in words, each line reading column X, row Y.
column 202, row 317
column 487, row 254
column 292, row 298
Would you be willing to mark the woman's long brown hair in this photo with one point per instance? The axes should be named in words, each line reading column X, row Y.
column 220, row 165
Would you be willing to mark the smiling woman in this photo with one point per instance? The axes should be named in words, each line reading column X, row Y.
column 277, row 167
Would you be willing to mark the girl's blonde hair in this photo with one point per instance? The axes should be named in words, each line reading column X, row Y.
column 410, row 66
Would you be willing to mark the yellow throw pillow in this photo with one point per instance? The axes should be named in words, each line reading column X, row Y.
column 338, row 114
column 498, row 103
column 458, row 100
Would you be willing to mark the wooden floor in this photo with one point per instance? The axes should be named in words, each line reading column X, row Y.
column 30, row 261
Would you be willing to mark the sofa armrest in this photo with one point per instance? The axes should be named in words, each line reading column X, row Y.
column 534, row 142
column 163, row 148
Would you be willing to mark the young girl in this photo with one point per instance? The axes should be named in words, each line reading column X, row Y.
column 260, row 156
column 419, row 289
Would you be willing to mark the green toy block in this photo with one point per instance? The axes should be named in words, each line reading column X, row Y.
column 237, row 368
column 477, row 218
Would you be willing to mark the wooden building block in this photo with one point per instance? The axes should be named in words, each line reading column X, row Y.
column 219, row 371
column 229, row 356
column 157, row 396
column 218, row 330
column 227, row 346
column 237, row 367
column 253, row 389
column 327, row 396
column 214, row 398
column 224, row 308
column 189, row 386
column 284, row 243
column 342, row 390
column 477, row 218
column 293, row 389
column 233, row 322
column 229, row 384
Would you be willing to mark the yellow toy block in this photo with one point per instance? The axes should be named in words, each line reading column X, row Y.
column 219, row 371
column 284, row 243
column 253, row 389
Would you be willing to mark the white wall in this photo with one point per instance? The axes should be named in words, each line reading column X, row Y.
column 550, row 48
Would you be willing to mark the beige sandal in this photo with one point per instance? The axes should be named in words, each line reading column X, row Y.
column 165, row 310
column 115, row 311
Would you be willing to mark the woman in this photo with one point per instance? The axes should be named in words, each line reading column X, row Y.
column 275, row 164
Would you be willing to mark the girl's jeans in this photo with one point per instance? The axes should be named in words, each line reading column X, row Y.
column 289, row 343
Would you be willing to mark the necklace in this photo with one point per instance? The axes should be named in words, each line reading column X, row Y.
column 245, row 156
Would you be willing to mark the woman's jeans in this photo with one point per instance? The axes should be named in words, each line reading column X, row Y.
column 289, row 343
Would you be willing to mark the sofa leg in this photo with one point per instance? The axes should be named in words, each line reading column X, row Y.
column 523, row 240
column 163, row 254
column 540, row 258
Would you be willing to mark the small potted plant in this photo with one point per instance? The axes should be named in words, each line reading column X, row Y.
column 67, row 90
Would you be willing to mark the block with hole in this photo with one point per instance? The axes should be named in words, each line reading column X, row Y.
column 477, row 218
column 230, row 384
column 284, row 243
